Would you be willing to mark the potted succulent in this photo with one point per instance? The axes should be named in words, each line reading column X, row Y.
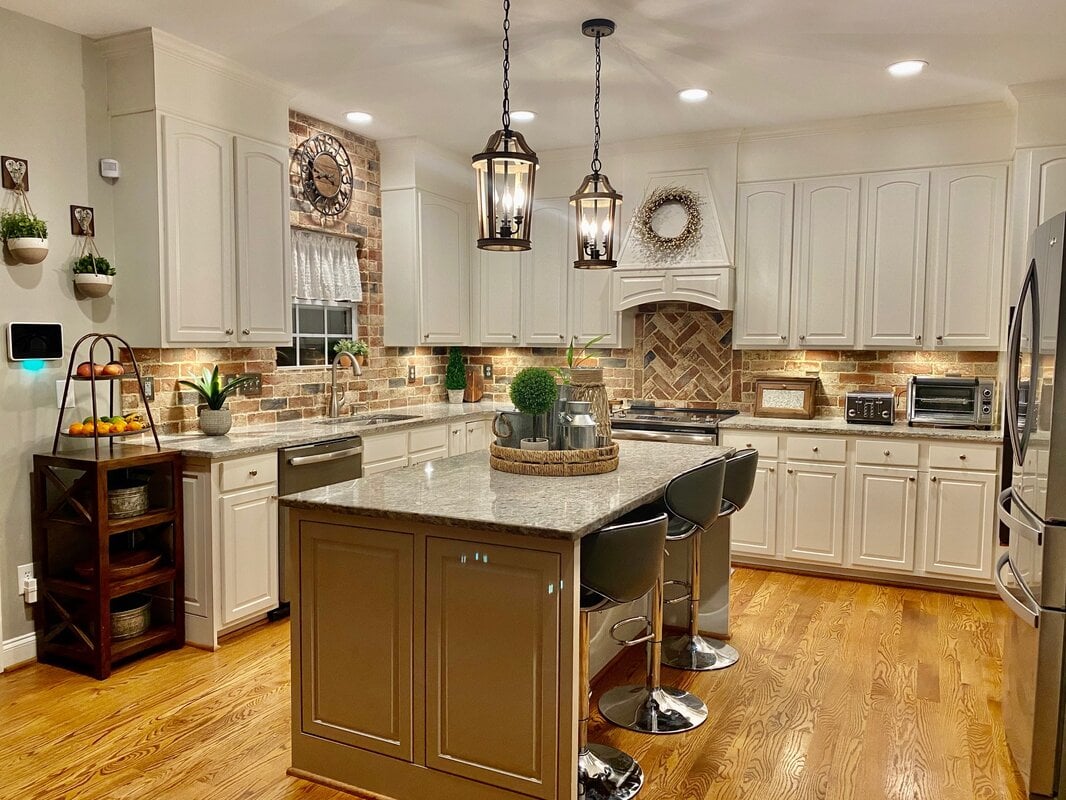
column 215, row 420
column 534, row 392
column 93, row 275
column 455, row 377
column 357, row 349
column 26, row 236
column 574, row 372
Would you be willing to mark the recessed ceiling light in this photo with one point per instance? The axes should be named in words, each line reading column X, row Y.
column 693, row 95
column 523, row 116
column 905, row 69
column 359, row 117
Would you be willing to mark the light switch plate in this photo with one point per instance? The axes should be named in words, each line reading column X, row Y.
column 412, row 373
column 487, row 370
column 59, row 395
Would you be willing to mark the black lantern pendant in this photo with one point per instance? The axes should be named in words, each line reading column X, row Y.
column 505, row 174
column 596, row 204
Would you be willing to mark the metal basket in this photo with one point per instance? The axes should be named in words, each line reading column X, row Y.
column 130, row 622
column 127, row 501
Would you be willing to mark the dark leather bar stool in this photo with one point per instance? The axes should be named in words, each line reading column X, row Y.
column 691, row 514
column 619, row 564
column 654, row 708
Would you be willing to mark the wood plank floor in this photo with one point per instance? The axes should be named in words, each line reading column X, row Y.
column 844, row 690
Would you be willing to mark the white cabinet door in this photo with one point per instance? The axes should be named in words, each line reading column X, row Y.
column 894, row 233
column 764, row 265
column 826, row 262
column 249, row 553
column 499, row 298
column 196, row 505
column 384, row 452
column 814, row 512
column 959, row 527
column 968, row 217
column 753, row 529
column 883, row 517
column 264, row 278
column 592, row 307
column 456, row 439
column 477, row 436
column 1047, row 185
column 546, row 274
column 198, row 232
column 442, row 270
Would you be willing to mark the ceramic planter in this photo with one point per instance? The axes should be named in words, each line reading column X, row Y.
column 455, row 395
column 92, row 285
column 28, row 250
column 215, row 422
column 346, row 361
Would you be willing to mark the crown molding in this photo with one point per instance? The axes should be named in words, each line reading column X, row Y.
column 1028, row 91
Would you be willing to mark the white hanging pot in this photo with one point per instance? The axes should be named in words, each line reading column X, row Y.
column 92, row 285
column 28, row 250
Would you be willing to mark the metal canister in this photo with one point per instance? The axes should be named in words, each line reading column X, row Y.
column 558, row 418
column 579, row 429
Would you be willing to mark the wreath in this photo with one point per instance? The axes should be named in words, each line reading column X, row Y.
column 682, row 196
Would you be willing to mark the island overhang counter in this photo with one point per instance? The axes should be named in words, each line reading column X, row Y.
column 435, row 623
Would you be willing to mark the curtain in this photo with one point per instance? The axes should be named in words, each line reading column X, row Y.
column 325, row 267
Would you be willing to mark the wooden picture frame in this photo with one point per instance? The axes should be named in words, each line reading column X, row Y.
column 786, row 397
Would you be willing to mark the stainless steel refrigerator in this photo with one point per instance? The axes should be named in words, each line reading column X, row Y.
column 1031, row 574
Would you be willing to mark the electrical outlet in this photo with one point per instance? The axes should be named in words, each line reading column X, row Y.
column 487, row 371
column 412, row 373
column 25, row 573
column 148, row 384
column 254, row 386
column 59, row 395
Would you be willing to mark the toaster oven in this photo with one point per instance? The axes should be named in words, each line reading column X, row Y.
column 951, row 402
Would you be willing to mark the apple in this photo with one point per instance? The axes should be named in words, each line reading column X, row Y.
column 98, row 369
column 114, row 368
column 85, row 369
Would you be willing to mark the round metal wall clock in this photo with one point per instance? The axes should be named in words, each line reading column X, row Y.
column 325, row 173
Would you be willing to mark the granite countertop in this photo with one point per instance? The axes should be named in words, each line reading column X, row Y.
column 465, row 490
column 254, row 439
column 746, row 422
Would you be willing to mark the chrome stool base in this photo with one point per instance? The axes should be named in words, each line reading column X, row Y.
column 698, row 654
column 604, row 773
column 662, row 710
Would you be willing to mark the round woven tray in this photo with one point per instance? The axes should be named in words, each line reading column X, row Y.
column 554, row 463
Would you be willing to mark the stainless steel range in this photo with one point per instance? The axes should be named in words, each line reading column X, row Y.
column 647, row 421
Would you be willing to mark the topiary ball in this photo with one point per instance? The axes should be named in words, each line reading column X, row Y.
column 534, row 391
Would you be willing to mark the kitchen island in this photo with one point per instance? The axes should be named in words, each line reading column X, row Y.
column 435, row 623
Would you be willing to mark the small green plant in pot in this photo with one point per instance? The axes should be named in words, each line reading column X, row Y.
column 93, row 275
column 215, row 420
column 534, row 392
column 25, row 235
column 455, row 377
column 357, row 349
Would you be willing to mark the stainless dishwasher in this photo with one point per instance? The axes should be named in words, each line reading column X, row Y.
column 310, row 466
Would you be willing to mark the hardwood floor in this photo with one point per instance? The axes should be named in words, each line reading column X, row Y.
column 844, row 690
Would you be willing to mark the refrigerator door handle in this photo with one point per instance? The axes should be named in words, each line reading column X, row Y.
column 1028, row 612
column 1011, row 396
column 1017, row 525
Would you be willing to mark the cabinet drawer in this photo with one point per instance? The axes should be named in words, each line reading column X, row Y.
column 810, row 448
column 244, row 473
column 429, row 438
column 765, row 443
column 384, row 447
column 886, row 452
column 962, row 456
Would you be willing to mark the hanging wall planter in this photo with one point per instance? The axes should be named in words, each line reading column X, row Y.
column 24, row 234
column 93, row 274
column 92, row 285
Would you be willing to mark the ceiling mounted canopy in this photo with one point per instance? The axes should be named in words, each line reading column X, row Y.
column 505, row 174
column 596, row 204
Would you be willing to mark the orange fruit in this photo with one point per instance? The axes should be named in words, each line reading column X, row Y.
column 76, row 429
column 118, row 427
column 87, row 429
column 103, row 428
column 134, row 426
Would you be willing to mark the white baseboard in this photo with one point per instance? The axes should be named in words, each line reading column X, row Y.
column 18, row 650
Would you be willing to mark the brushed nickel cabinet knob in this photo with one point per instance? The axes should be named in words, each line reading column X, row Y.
column 229, row 331
column 934, row 479
column 789, row 471
column 888, row 452
column 912, row 479
column 246, row 332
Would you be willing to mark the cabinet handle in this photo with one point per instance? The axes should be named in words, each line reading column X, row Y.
column 918, row 339
column 912, row 479
column 789, row 472
column 784, row 338
column 934, row 479
column 561, row 337
column 748, row 444
column 962, row 457
column 940, row 338
column 815, row 449
column 514, row 335
column 803, row 337
column 253, row 472
column 888, row 452
column 246, row 332
column 425, row 336
column 771, row 469
column 229, row 331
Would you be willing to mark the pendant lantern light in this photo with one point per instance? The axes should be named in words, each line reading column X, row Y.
column 505, row 174
column 596, row 204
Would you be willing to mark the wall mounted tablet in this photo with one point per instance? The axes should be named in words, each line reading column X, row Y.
column 34, row 341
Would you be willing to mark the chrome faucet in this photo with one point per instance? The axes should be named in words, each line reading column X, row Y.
column 334, row 400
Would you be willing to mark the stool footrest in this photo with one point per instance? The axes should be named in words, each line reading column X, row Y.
column 645, row 637
column 680, row 598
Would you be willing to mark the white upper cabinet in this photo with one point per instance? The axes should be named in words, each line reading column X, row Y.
column 969, row 215
column 592, row 311
column 442, row 247
column 263, row 251
column 545, row 273
column 826, row 261
column 499, row 297
column 894, row 236
column 198, row 262
column 764, row 264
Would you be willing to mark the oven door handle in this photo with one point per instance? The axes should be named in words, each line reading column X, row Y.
column 1028, row 611
column 1023, row 526
column 336, row 455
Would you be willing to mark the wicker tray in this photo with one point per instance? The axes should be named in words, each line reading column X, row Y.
column 554, row 463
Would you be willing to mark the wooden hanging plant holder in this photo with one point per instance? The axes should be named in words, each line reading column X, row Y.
column 25, row 235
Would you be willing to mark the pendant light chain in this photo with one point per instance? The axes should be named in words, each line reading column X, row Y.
column 506, row 65
column 596, row 164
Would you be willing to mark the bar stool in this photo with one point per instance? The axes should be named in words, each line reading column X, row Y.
column 690, row 516
column 619, row 564
column 654, row 708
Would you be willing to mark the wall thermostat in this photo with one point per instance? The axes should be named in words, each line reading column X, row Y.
column 109, row 168
column 34, row 341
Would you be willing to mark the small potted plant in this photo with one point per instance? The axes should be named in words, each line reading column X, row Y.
column 26, row 236
column 215, row 420
column 455, row 377
column 93, row 275
column 534, row 392
column 574, row 372
column 357, row 349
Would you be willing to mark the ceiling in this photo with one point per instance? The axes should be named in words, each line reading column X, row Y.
column 431, row 68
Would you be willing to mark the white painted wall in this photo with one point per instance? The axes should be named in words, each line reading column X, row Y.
column 54, row 114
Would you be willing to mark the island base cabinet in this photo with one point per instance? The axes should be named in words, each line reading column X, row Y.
column 814, row 512
column 492, row 661
column 357, row 586
column 959, row 523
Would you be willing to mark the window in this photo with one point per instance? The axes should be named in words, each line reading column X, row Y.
column 316, row 327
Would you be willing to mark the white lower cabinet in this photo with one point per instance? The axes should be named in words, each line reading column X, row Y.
column 814, row 512
column 960, row 524
column 883, row 517
column 754, row 530
column 249, row 553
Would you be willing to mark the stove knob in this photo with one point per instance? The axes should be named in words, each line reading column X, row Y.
column 884, row 414
column 851, row 412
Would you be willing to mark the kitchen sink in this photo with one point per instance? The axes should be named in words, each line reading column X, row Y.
column 367, row 419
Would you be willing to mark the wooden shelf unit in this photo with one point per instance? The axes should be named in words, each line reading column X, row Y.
column 71, row 522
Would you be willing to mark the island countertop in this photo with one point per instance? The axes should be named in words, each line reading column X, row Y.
column 465, row 490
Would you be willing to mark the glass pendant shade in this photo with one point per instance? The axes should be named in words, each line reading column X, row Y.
column 597, row 207
column 506, row 173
